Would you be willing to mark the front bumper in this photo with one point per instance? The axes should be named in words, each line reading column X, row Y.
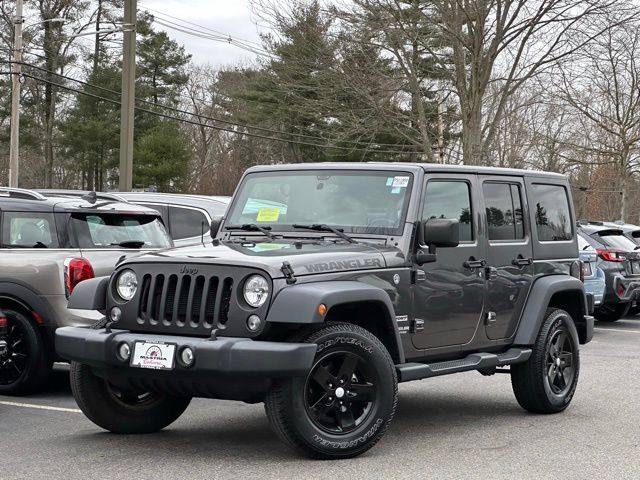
column 224, row 368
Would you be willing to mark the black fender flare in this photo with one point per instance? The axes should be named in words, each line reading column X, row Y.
column 30, row 300
column 90, row 295
column 298, row 304
column 538, row 300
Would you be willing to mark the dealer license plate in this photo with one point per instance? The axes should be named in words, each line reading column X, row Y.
column 157, row 356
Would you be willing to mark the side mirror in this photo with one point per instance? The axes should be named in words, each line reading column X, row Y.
column 437, row 233
column 215, row 226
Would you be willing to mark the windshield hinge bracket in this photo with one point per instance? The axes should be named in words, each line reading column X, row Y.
column 288, row 273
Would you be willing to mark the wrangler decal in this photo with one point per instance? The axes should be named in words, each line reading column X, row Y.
column 344, row 265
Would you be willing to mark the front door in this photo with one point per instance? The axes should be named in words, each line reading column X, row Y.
column 449, row 294
column 509, row 270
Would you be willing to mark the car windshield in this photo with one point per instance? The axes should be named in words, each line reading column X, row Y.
column 112, row 230
column 354, row 201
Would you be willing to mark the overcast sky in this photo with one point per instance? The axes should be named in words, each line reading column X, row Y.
column 232, row 17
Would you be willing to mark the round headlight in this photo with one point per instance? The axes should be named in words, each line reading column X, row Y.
column 256, row 290
column 127, row 284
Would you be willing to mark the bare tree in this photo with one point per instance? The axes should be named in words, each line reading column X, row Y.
column 603, row 90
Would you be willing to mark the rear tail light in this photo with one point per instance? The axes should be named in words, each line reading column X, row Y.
column 76, row 270
column 611, row 255
column 576, row 270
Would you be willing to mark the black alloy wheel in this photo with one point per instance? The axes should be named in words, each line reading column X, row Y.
column 560, row 361
column 25, row 363
column 14, row 353
column 340, row 392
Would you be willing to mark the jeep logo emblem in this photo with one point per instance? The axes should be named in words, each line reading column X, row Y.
column 186, row 270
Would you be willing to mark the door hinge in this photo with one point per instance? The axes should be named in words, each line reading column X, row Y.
column 417, row 325
column 491, row 318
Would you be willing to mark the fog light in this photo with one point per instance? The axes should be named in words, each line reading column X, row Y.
column 253, row 323
column 187, row 356
column 115, row 315
column 124, row 352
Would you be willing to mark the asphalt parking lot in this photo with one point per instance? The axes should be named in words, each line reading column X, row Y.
column 463, row 426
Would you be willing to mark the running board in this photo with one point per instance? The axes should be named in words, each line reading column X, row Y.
column 476, row 361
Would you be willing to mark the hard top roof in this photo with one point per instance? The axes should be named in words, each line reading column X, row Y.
column 405, row 166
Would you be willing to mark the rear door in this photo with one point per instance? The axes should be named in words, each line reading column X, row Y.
column 509, row 271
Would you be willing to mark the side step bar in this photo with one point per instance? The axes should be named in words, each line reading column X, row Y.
column 476, row 361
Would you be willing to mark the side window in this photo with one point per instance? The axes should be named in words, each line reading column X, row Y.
column 186, row 223
column 552, row 214
column 504, row 211
column 450, row 199
column 29, row 230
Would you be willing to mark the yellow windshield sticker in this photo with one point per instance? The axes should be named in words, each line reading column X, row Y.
column 268, row 215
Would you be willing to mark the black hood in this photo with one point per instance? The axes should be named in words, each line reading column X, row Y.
column 305, row 257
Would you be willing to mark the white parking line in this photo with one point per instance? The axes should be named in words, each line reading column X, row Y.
column 616, row 330
column 40, row 407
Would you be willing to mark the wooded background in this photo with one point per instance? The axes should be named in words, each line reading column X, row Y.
column 543, row 84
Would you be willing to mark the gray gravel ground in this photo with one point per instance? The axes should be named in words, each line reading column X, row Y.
column 464, row 426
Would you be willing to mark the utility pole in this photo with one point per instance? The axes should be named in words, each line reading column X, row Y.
column 128, row 96
column 16, row 70
column 440, row 128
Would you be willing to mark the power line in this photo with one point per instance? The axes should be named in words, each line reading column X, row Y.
column 403, row 148
column 192, row 122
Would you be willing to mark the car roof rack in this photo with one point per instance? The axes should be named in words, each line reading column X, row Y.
column 83, row 193
column 22, row 193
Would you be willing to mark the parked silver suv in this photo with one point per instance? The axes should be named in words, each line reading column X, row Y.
column 48, row 245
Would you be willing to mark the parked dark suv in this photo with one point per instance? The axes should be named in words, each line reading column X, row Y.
column 49, row 245
column 619, row 258
column 347, row 280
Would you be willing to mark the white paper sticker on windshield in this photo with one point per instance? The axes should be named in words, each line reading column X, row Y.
column 400, row 182
column 389, row 181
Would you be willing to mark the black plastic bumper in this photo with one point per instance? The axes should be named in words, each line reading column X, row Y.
column 586, row 334
column 225, row 356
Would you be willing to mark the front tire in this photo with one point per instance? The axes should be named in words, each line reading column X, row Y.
column 25, row 364
column 346, row 402
column 123, row 411
column 547, row 381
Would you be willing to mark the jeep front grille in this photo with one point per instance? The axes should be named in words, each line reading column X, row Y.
column 184, row 300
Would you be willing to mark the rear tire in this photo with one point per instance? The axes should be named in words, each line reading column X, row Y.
column 346, row 402
column 123, row 411
column 547, row 381
column 611, row 313
column 25, row 364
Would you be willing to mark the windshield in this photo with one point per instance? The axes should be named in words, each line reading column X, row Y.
column 356, row 202
column 110, row 230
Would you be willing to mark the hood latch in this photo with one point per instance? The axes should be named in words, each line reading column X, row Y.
column 288, row 273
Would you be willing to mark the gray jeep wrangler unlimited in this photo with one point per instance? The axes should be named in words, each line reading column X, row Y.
column 325, row 286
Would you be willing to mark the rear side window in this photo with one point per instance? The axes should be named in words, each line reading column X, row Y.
column 187, row 223
column 504, row 211
column 452, row 200
column 29, row 230
column 552, row 214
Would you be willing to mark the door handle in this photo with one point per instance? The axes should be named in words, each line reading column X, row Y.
column 473, row 263
column 521, row 261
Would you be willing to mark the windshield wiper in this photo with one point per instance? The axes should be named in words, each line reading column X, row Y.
column 129, row 244
column 321, row 227
column 252, row 227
